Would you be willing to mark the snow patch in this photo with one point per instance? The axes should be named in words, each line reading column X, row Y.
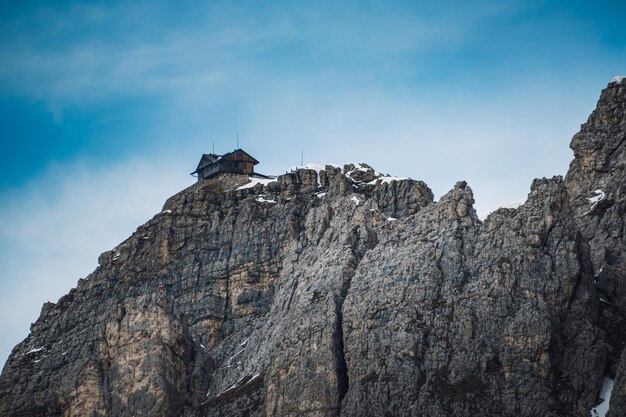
column 361, row 168
column 34, row 350
column 116, row 257
column 387, row 180
column 391, row 219
column 166, row 212
column 230, row 360
column 601, row 409
column 618, row 79
column 255, row 181
column 262, row 199
column 236, row 384
column 320, row 195
column 597, row 274
column 355, row 199
column 599, row 196
column 315, row 167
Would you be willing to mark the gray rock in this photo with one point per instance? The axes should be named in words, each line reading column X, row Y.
column 340, row 292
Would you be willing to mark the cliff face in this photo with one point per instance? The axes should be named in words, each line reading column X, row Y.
column 341, row 292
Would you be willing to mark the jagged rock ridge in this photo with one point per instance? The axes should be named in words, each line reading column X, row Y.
column 340, row 292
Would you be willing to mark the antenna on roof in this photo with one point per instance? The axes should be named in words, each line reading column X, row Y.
column 301, row 157
column 237, row 140
column 213, row 148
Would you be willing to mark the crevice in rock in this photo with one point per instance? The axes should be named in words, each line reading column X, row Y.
column 226, row 304
column 343, row 380
column 359, row 249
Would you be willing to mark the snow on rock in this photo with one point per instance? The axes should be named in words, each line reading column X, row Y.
column 360, row 168
column 355, row 199
column 320, row 195
column 166, row 212
column 618, row 79
column 230, row 360
column 243, row 381
column 391, row 219
column 255, row 181
column 35, row 350
column 379, row 178
column 601, row 409
column 232, row 387
column 599, row 196
column 262, row 199
column 315, row 167
column 597, row 274
column 387, row 180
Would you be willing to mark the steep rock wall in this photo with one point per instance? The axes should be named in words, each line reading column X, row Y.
column 341, row 292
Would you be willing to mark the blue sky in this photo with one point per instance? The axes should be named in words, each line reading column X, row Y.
column 105, row 107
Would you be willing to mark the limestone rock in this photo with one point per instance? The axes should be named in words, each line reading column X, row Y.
column 346, row 292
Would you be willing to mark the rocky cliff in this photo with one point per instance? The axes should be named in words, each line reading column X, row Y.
column 340, row 292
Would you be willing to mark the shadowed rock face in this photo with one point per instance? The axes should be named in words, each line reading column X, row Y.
column 341, row 292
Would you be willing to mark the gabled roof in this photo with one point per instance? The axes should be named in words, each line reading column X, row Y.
column 207, row 159
column 211, row 158
column 227, row 155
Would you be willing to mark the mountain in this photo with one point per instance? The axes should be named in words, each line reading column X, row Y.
column 341, row 292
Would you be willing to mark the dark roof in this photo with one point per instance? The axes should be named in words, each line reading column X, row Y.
column 226, row 155
column 211, row 158
column 207, row 159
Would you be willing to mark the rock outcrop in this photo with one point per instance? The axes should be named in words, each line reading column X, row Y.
column 341, row 292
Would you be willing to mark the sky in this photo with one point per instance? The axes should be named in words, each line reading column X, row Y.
column 106, row 107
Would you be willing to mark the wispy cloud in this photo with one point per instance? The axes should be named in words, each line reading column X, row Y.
column 52, row 232
column 83, row 53
column 488, row 92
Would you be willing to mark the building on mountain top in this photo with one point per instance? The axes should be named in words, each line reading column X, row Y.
column 235, row 162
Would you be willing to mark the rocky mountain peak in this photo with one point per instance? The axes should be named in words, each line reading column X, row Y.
column 342, row 291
